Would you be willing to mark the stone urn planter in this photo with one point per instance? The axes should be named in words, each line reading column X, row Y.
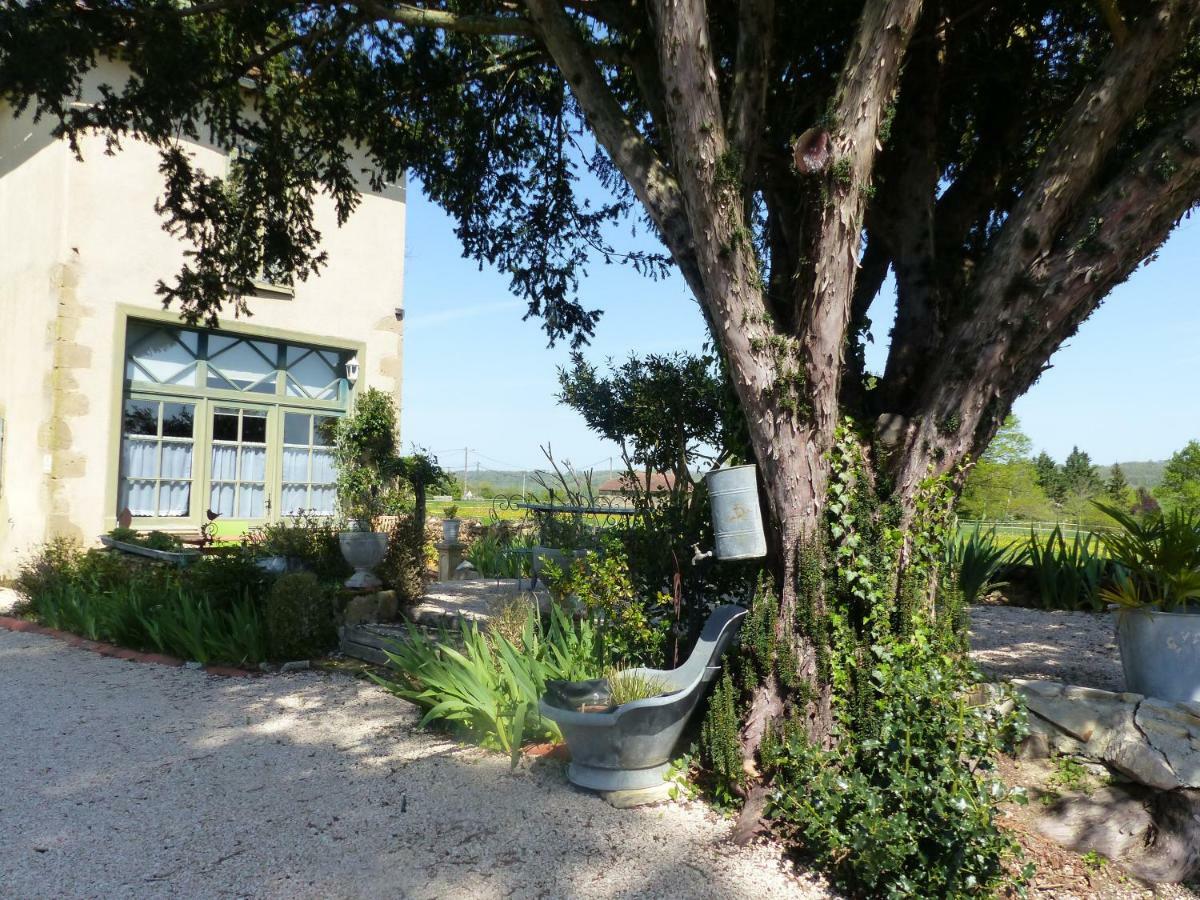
column 363, row 550
column 450, row 531
column 1160, row 652
column 629, row 747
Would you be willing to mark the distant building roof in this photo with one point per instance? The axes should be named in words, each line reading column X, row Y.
column 658, row 482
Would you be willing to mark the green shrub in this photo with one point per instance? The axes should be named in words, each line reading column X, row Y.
column 227, row 578
column 403, row 568
column 977, row 561
column 299, row 618
column 1067, row 575
column 312, row 540
column 630, row 629
column 487, row 685
column 909, row 808
column 494, row 553
column 49, row 569
column 720, row 747
column 154, row 540
column 107, row 596
column 1157, row 560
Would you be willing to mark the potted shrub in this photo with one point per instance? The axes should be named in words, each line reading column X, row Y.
column 1155, row 587
column 450, row 525
column 367, row 464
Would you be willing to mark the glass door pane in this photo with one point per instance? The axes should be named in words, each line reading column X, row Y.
column 238, row 472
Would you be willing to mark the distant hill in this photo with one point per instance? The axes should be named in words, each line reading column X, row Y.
column 1148, row 474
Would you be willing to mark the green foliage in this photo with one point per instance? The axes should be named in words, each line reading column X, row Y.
column 629, row 629
column 300, row 618
column 628, row 685
column 1005, row 483
column 1067, row 574
column 210, row 611
column 228, row 577
column 1068, row 773
column 154, row 540
column 1117, row 488
column 1180, row 488
column 908, row 809
column 904, row 802
column 1157, row 560
column 720, row 746
column 977, row 562
column 310, row 539
column 403, row 568
column 495, row 553
column 365, row 452
column 487, row 685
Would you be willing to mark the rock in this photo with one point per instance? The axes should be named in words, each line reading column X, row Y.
column 361, row 609
column 1173, row 731
column 386, row 606
column 659, row 793
column 1155, row 836
column 192, row 664
column 1035, row 746
column 297, row 665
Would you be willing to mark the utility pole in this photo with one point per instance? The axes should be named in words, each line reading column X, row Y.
column 466, row 450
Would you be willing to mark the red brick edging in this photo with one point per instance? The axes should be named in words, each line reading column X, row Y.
column 105, row 649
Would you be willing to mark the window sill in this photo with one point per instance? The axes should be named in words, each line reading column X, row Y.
column 268, row 291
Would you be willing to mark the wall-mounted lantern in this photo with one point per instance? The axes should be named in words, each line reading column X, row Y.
column 352, row 369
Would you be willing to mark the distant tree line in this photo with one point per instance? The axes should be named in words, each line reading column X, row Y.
column 1010, row 483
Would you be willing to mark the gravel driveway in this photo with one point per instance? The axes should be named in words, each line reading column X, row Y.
column 1075, row 647
column 120, row 779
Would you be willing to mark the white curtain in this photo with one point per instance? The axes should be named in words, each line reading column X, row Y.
column 224, row 464
column 295, row 464
column 254, row 464
column 137, row 497
column 250, row 501
column 221, row 499
column 176, row 460
column 174, row 498
column 139, row 458
column 323, row 500
column 295, row 499
column 323, row 470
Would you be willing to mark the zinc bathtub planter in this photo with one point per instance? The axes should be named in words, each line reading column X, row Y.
column 629, row 747
column 1160, row 653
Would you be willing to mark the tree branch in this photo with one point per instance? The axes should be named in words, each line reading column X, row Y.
column 970, row 391
column 419, row 17
column 654, row 186
column 747, row 103
column 1089, row 132
column 868, row 81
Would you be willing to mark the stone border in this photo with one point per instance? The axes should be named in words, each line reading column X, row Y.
column 112, row 650
column 1149, row 741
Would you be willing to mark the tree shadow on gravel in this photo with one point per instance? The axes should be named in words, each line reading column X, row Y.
column 136, row 780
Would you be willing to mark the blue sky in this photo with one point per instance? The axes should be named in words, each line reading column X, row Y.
column 1126, row 387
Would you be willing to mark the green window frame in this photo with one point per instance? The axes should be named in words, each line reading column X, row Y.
column 225, row 376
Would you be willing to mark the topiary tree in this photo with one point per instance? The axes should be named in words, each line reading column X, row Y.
column 365, row 452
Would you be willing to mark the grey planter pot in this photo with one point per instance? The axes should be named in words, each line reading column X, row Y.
column 631, row 746
column 364, row 550
column 450, row 531
column 1160, row 653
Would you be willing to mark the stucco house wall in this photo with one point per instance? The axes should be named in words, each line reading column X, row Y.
column 82, row 252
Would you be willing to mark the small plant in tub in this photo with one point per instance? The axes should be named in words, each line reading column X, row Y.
column 625, row 686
